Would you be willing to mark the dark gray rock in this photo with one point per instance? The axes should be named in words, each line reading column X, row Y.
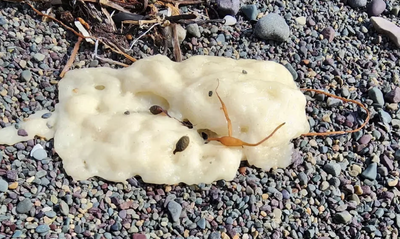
column 26, row 75
column 175, row 210
column 228, row 7
column 333, row 168
column 343, row 217
column 376, row 95
column 272, row 27
column 24, row 206
column 370, row 172
column 393, row 96
column 193, row 29
column 250, row 11
column 328, row 33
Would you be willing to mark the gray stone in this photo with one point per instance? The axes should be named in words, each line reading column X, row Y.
column 376, row 95
column 333, row 102
column 17, row 234
column 175, row 210
column 379, row 212
column 50, row 214
column 26, row 75
column 376, row 7
column 42, row 228
column 357, row 3
column 370, row 172
column 228, row 7
column 272, row 27
column 201, row 223
column 333, row 168
column 384, row 116
column 64, row 208
column 215, row 235
column 24, row 206
column 302, row 178
column 193, row 29
column 39, row 154
column 220, row 38
column 388, row 28
column 301, row 20
column 250, row 11
column 343, row 217
column 3, row 185
column 3, row 20
column 39, row 57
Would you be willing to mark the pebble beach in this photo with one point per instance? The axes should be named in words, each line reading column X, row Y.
column 344, row 186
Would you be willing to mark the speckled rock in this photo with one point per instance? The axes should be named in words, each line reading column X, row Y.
column 357, row 3
column 228, row 7
column 272, row 27
column 388, row 28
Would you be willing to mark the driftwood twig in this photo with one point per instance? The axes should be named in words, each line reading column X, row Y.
column 72, row 57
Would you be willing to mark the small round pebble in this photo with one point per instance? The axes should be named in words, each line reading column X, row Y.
column 333, row 168
column 376, row 7
column 3, row 185
column 24, row 206
column 42, row 228
column 39, row 154
column 343, row 217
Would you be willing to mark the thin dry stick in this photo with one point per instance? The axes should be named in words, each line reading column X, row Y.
column 175, row 41
column 72, row 57
column 347, row 101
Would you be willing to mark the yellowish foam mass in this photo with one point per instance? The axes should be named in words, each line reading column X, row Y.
column 96, row 136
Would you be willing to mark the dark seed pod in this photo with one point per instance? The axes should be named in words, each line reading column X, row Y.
column 46, row 115
column 210, row 93
column 182, row 144
column 187, row 123
column 127, row 112
column 244, row 72
column 22, row 132
column 156, row 109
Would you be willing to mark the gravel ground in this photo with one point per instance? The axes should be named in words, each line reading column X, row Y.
column 338, row 187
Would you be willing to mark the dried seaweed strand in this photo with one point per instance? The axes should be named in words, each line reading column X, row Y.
column 72, row 57
column 345, row 100
column 108, row 4
column 114, row 48
column 56, row 20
